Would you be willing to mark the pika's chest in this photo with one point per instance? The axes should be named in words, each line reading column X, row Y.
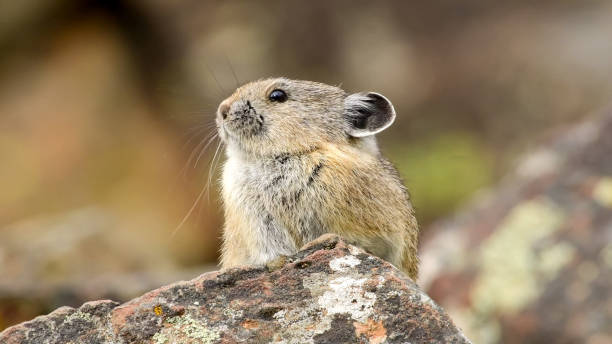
column 285, row 190
column 282, row 182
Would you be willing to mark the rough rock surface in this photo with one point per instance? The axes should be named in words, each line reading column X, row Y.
column 330, row 292
column 532, row 262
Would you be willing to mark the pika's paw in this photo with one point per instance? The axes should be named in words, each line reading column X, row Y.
column 277, row 263
column 328, row 240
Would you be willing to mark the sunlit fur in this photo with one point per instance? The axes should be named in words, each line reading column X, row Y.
column 296, row 173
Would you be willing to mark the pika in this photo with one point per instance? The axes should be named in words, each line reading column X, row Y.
column 302, row 161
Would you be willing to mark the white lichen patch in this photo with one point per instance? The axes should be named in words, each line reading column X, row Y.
column 342, row 295
column 342, row 264
column 346, row 295
column 508, row 278
column 186, row 329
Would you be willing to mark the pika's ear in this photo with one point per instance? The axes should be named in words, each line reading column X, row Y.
column 368, row 113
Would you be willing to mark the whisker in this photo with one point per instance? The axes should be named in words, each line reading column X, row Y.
column 203, row 142
column 211, row 171
column 193, row 133
column 198, row 129
column 215, row 78
column 189, row 212
column 204, row 125
column 204, row 149
column 200, row 112
column 205, row 189
column 229, row 63
column 195, row 149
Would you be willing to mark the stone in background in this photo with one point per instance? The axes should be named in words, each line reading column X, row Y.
column 531, row 262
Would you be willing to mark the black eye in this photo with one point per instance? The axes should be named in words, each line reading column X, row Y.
column 278, row 96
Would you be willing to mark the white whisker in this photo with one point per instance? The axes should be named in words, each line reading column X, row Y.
column 197, row 148
column 211, row 171
column 189, row 212
column 204, row 149
column 204, row 190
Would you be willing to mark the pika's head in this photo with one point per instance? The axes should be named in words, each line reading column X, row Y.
column 283, row 116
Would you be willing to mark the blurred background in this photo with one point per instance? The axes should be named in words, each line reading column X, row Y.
column 104, row 104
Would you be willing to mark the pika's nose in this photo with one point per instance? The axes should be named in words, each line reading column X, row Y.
column 224, row 109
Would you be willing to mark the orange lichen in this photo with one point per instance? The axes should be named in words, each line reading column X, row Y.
column 373, row 330
column 250, row 324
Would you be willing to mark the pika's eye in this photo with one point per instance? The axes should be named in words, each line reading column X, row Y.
column 278, row 96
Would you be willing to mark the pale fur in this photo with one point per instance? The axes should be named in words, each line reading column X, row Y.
column 293, row 174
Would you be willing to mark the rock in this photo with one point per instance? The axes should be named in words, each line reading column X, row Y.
column 329, row 292
column 532, row 261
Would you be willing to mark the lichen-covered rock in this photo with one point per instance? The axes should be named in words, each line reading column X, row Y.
column 532, row 262
column 330, row 292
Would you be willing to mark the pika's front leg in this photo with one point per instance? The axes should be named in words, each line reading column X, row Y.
column 255, row 240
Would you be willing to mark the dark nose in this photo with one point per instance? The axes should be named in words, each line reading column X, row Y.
column 224, row 109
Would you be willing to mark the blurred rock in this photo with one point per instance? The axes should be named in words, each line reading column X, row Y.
column 330, row 292
column 531, row 261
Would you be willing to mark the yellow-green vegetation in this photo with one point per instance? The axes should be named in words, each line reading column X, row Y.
column 442, row 171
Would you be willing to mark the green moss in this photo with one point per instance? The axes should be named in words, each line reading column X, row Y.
column 442, row 172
